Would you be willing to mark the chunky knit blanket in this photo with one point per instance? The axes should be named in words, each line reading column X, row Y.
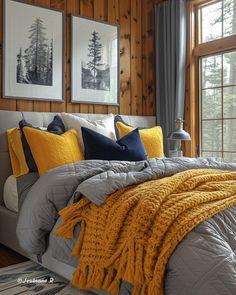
column 132, row 235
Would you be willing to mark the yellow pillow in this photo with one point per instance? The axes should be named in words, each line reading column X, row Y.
column 17, row 156
column 50, row 150
column 152, row 139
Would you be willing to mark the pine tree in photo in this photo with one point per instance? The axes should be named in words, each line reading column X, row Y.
column 50, row 65
column 37, row 48
column 19, row 72
column 35, row 65
column 95, row 54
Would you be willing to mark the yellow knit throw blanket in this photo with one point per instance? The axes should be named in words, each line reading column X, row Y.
column 132, row 235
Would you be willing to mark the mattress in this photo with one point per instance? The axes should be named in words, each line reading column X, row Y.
column 10, row 195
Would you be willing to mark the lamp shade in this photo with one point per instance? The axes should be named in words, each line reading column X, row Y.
column 179, row 133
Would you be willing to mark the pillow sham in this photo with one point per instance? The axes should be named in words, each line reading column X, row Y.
column 51, row 150
column 56, row 127
column 16, row 152
column 152, row 138
column 100, row 147
column 104, row 126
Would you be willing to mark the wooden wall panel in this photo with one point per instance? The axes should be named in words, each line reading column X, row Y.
column 113, row 18
column 148, row 59
column 136, row 58
column 125, row 58
column 137, row 76
column 72, row 7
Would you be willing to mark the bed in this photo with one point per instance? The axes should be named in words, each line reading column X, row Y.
column 204, row 257
column 10, row 119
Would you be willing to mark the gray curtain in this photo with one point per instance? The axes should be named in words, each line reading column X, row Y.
column 170, row 44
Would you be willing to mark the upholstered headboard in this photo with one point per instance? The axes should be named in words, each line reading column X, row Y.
column 10, row 119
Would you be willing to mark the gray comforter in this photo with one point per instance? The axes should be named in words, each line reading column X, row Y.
column 203, row 263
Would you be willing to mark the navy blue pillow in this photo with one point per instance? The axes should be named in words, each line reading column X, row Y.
column 28, row 155
column 56, row 127
column 100, row 147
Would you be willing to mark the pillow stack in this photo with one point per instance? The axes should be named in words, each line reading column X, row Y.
column 109, row 138
column 55, row 127
column 35, row 150
column 152, row 138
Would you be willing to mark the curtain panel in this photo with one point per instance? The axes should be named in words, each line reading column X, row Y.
column 170, row 47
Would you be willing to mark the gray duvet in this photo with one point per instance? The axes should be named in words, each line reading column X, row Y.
column 204, row 263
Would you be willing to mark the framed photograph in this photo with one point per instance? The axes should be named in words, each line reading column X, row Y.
column 33, row 52
column 95, row 61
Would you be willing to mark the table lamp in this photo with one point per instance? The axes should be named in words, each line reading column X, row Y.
column 178, row 135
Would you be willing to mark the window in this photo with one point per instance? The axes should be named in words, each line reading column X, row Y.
column 217, row 20
column 214, row 54
column 218, row 105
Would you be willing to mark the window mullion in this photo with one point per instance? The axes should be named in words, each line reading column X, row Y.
column 222, row 103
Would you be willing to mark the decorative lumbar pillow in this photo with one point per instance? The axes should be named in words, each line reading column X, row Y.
column 152, row 138
column 98, row 146
column 56, row 127
column 104, row 126
column 17, row 156
column 50, row 150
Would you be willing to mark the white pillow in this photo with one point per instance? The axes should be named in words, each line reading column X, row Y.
column 104, row 126
column 10, row 194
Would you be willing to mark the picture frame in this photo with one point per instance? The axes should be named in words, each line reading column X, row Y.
column 33, row 59
column 94, row 61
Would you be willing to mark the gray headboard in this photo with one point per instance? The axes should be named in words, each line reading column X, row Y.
column 10, row 119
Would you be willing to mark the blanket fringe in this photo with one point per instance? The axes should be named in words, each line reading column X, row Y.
column 70, row 216
column 137, row 290
column 154, row 288
column 131, row 263
column 78, row 245
column 128, row 267
column 92, row 277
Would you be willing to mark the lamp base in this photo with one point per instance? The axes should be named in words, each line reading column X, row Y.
column 175, row 153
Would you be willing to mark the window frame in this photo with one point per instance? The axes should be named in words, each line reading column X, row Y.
column 195, row 51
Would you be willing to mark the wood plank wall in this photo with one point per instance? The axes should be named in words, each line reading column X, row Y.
column 137, row 66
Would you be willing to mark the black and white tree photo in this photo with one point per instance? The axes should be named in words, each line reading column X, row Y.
column 94, row 61
column 34, row 52
column 35, row 62
column 95, row 74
